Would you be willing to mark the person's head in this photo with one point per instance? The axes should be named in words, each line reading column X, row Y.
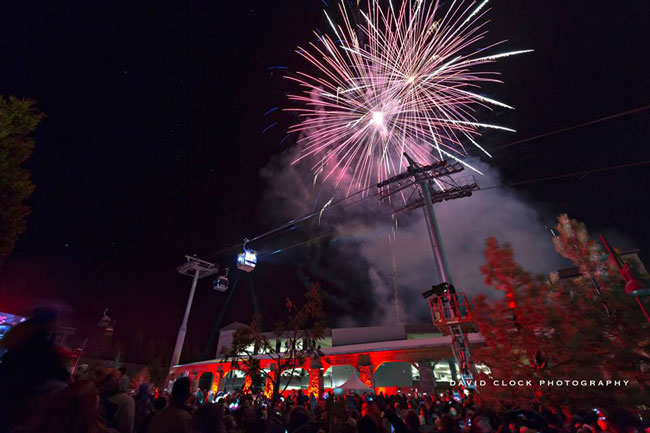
column 144, row 387
column 365, row 408
column 209, row 419
column 621, row 420
column 159, row 404
column 81, row 373
column 181, row 390
column 482, row 424
column 229, row 423
column 411, row 420
column 297, row 418
column 45, row 316
column 108, row 381
column 74, row 409
column 366, row 425
column 445, row 424
column 84, row 397
column 122, row 370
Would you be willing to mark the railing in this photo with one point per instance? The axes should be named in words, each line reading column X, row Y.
column 449, row 309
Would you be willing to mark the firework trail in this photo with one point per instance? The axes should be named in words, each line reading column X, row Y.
column 401, row 80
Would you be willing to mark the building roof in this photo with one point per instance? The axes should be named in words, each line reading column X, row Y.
column 361, row 334
column 398, row 345
column 234, row 326
column 420, row 328
column 441, row 342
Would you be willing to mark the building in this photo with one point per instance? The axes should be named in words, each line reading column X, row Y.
column 386, row 358
column 631, row 257
column 8, row 321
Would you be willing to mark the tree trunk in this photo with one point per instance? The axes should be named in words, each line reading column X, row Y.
column 427, row 380
column 274, row 399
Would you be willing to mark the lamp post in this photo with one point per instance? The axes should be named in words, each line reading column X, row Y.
column 195, row 268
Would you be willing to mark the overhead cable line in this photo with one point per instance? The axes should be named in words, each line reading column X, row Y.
column 572, row 127
column 524, row 182
column 341, row 202
column 572, row 174
column 290, row 224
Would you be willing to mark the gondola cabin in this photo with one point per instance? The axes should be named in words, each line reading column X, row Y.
column 106, row 324
column 220, row 283
column 247, row 260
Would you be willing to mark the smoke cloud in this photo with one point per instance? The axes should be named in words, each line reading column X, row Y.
column 353, row 257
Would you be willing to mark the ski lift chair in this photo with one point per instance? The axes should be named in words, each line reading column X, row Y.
column 221, row 283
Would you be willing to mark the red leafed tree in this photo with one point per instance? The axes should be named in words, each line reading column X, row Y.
column 293, row 342
column 560, row 329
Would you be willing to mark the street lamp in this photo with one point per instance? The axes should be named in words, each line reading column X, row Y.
column 195, row 268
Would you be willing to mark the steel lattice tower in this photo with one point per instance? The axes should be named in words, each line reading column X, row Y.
column 422, row 186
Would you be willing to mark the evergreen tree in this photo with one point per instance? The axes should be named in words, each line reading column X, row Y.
column 18, row 119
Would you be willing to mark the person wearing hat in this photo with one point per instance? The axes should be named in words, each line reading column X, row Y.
column 117, row 407
column 81, row 373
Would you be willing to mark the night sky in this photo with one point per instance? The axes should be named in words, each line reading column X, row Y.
column 153, row 143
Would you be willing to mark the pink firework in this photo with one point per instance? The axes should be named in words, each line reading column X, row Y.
column 400, row 80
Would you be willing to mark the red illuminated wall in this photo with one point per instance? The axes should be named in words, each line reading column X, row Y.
column 365, row 375
column 370, row 360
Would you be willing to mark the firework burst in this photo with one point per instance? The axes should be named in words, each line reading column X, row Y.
column 394, row 80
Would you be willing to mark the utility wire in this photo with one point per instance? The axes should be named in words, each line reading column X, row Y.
column 573, row 174
column 316, row 238
column 313, row 214
column 572, row 127
column 525, row 182
column 291, row 224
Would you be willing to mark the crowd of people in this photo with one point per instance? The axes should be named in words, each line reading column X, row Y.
column 39, row 395
column 453, row 411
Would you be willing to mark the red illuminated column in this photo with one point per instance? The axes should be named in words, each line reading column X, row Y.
column 315, row 369
column 216, row 382
column 248, row 382
column 268, row 388
column 365, row 375
column 268, row 385
column 315, row 382
column 365, row 371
